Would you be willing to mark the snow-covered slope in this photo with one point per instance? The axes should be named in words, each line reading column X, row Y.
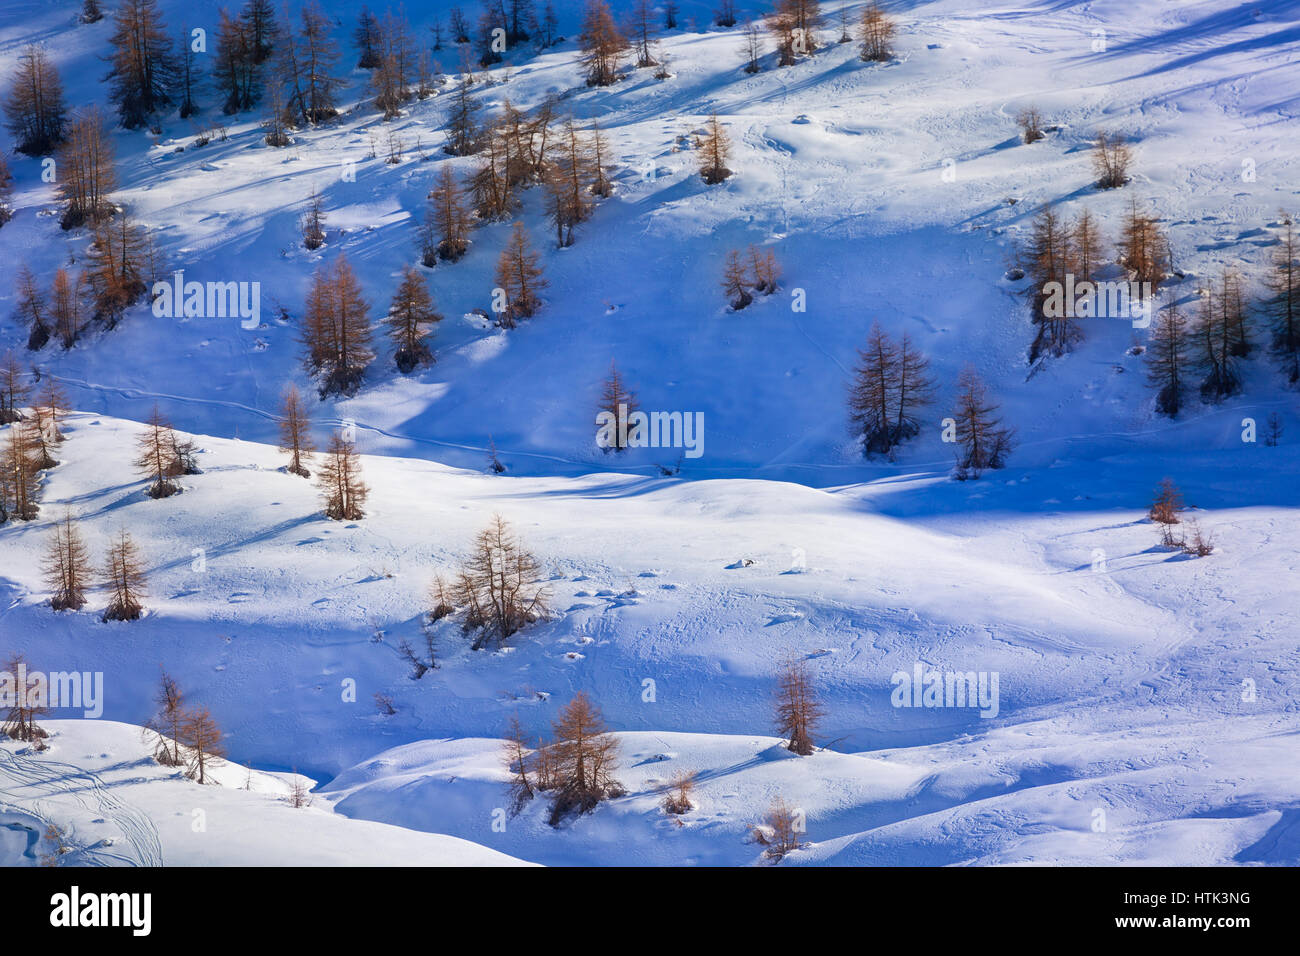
column 1121, row 666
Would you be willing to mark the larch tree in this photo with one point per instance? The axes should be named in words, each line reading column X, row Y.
column 1169, row 360
column 1166, row 503
column 1281, row 306
column 123, row 267
column 1144, row 249
column 601, row 43
column 798, row 709
column 20, row 719
column 53, row 405
column 144, row 69
column 32, row 308
column 258, row 16
column 463, row 129
column 499, row 586
column 1085, row 248
column 339, row 479
column 203, row 740
column 752, row 51
column 13, row 389
column 86, row 174
column 1214, row 354
column 156, row 456
column 312, row 222
column 641, row 27
column 20, row 466
column 568, row 183
column 764, row 271
column 585, row 755
column 168, row 721
column 876, row 31
column 34, row 106
column 983, row 442
column 366, row 40
column 336, row 331
column 1048, row 259
column 600, row 184
column 188, row 80
column 736, row 282
column 447, row 223
column 712, row 152
column 616, row 406
column 519, row 280
column 124, row 580
column 68, row 306
column 515, row 756
column 391, row 79
column 410, row 321
column 237, row 71
column 871, row 393
column 295, row 432
column 67, row 567
column 304, row 67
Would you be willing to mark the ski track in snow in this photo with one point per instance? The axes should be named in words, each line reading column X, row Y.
column 43, row 788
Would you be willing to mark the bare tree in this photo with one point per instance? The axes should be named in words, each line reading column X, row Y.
column 20, row 719
column 125, row 580
column 86, row 175
column 336, row 332
column 714, row 149
column 144, row 72
column 156, row 456
column 1111, row 159
column 19, row 467
column 983, row 442
column 67, row 567
column 1144, row 249
column 203, row 739
column 876, row 31
column 736, row 282
column 567, row 184
column 463, row 131
column 780, row 831
column 1169, row 360
column 447, row 224
column 14, row 389
column 798, row 710
column 31, row 308
column 641, row 27
column 519, row 279
column 678, row 799
column 34, row 105
column 601, row 43
column 410, row 322
column 498, row 586
column 312, row 222
column 339, row 479
column 295, row 432
column 753, row 48
column 515, row 755
column 586, row 756
column 1282, row 304
column 168, row 722
column 618, row 404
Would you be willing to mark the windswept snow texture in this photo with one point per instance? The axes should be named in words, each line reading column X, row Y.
column 1147, row 705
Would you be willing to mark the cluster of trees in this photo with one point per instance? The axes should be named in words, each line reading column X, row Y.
column 497, row 587
column 184, row 736
column 1213, row 344
column 336, row 333
column 576, row 767
column 890, row 387
column 1061, row 257
column 68, row 573
column 33, row 435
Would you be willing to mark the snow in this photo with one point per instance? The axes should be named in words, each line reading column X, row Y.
column 1121, row 666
